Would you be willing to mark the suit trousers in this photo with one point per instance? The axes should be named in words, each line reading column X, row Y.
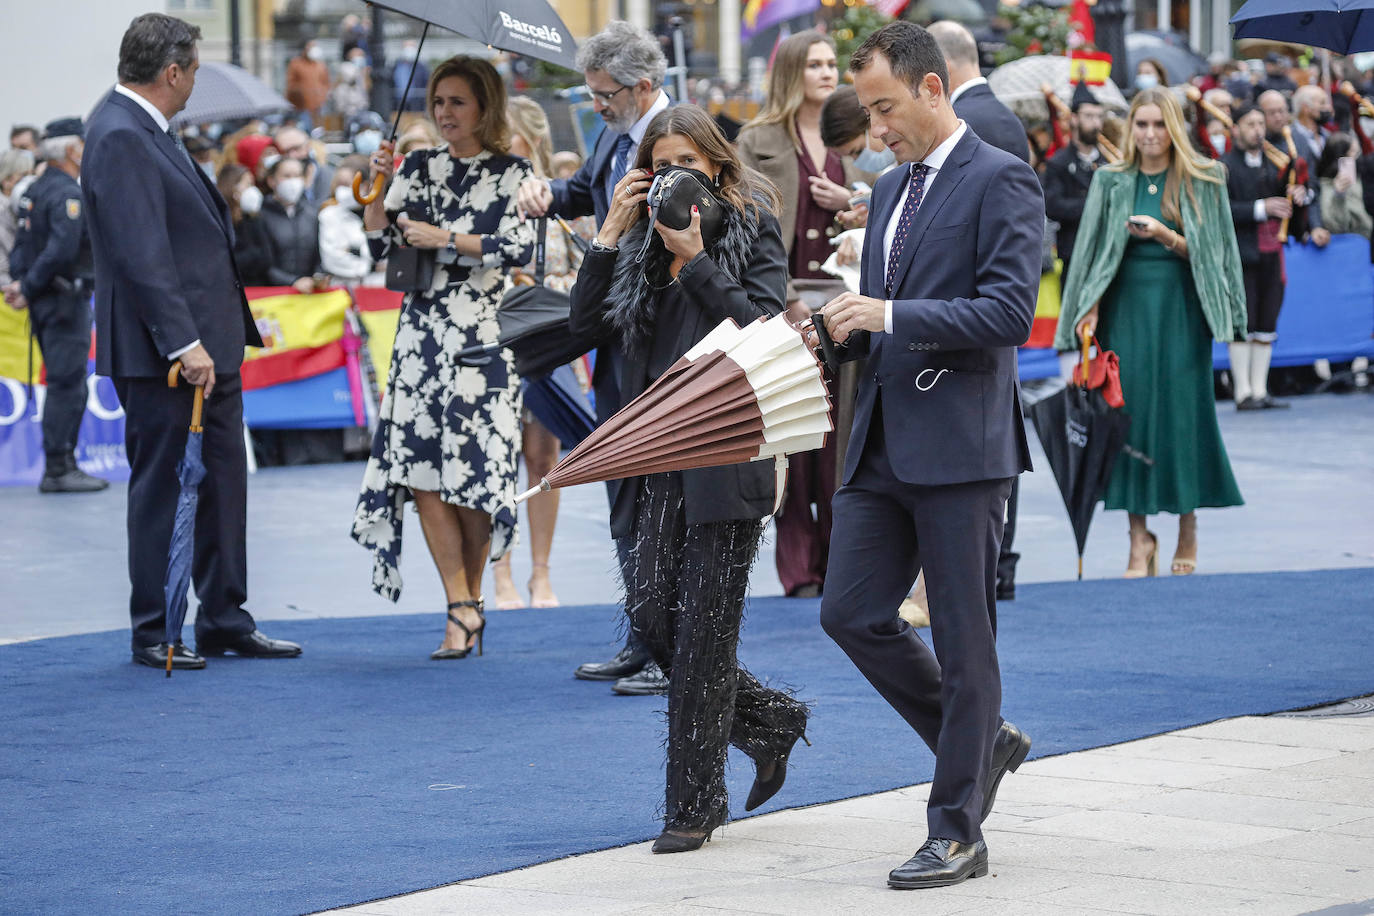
column 885, row 532
column 684, row 593
column 155, row 429
column 62, row 324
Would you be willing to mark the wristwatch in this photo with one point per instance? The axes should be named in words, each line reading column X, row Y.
column 452, row 244
column 597, row 246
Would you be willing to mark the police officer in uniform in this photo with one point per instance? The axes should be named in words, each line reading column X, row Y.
column 52, row 272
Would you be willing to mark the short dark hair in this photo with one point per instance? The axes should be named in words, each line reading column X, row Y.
column 910, row 50
column 18, row 129
column 152, row 43
column 842, row 118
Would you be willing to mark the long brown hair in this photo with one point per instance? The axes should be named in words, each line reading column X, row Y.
column 738, row 185
column 1185, row 166
column 787, row 84
column 230, row 174
column 493, row 131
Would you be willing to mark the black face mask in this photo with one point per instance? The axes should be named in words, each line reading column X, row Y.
column 673, row 193
column 1326, row 114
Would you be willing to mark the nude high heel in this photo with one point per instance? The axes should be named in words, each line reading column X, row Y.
column 1151, row 561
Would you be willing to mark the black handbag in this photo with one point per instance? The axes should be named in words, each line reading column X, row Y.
column 672, row 195
column 409, row 269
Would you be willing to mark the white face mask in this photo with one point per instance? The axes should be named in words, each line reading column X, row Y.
column 1146, row 81
column 250, row 200
column 315, row 53
column 289, row 190
column 1219, row 142
column 343, row 195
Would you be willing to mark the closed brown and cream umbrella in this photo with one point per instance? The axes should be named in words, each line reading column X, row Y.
column 741, row 394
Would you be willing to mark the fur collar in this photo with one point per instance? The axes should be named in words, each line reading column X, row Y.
column 635, row 287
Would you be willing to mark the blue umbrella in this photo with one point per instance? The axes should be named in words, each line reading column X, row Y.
column 557, row 401
column 1343, row 26
column 190, row 472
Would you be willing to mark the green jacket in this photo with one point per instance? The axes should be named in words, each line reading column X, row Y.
column 1212, row 254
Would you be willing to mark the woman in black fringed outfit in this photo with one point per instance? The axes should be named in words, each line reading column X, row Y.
column 692, row 535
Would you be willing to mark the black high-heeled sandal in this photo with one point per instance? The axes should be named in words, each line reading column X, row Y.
column 478, row 605
column 672, row 841
column 764, row 789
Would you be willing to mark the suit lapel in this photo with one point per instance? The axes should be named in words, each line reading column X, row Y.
column 885, row 204
column 179, row 160
column 946, row 180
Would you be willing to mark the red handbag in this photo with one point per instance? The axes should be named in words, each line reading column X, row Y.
column 1103, row 372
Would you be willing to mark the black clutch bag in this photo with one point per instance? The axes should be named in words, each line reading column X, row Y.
column 673, row 193
column 409, row 269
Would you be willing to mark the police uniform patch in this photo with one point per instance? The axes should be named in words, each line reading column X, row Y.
column 74, row 209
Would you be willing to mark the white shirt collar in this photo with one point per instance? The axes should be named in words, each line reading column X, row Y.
column 936, row 160
column 640, row 126
column 965, row 87
column 158, row 117
column 1254, row 158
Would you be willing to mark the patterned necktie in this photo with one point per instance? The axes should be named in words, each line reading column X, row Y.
column 620, row 161
column 913, row 202
column 176, row 138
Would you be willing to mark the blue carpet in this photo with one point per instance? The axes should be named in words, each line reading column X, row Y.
column 363, row 770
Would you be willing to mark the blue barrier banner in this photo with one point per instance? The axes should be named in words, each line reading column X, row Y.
column 100, row 443
column 322, row 401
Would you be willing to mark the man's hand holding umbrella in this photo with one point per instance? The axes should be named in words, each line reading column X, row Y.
column 198, row 368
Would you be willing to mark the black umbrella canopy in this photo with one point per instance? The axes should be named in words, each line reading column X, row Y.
column 528, row 27
column 1082, row 437
column 224, row 92
column 1181, row 63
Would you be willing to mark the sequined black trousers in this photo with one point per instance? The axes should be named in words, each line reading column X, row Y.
column 684, row 593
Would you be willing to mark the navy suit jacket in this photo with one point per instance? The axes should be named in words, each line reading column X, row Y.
column 585, row 192
column 163, row 243
column 992, row 121
column 963, row 301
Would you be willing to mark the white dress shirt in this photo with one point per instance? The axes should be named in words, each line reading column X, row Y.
column 965, row 87
column 934, row 162
column 637, row 131
column 161, row 121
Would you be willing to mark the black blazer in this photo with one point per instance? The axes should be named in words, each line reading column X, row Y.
column 707, row 295
column 964, row 301
column 1245, row 185
column 992, row 121
column 1066, row 181
column 164, row 250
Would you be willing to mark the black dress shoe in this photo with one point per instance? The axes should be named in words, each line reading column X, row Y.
column 1006, row 591
column 764, row 789
column 628, row 661
column 649, row 682
column 940, row 863
column 252, row 645
column 1269, row 403
column 1251, row 403
column 75, row 480
column 809, row 590
column 1008, row 753
column 183, row 659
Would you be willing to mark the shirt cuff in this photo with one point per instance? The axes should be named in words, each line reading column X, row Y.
column 178, row 354
column 887, row 318
column 1261, row 214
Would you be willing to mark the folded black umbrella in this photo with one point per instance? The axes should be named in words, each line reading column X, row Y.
column 1082, row 436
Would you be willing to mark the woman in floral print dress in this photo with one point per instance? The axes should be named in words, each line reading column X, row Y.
column 448, row 434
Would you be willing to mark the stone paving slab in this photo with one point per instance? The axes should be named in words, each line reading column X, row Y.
column 1099, row 831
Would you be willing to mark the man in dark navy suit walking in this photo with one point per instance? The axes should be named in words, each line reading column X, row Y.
column 167, row 288
column 950, row 270
column 624, row 69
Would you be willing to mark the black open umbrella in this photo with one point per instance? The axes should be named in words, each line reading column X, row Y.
column 527, row 27
column 1343, row 26
column 224, row 92
column 1082, row 436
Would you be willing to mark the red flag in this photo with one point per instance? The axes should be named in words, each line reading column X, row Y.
column 891, row 8
column 1081, row 19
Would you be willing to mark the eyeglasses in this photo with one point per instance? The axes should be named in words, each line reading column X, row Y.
column 605, row 97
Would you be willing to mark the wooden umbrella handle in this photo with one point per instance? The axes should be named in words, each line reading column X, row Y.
column 197, row 405
column 370, row 196
column 1292, row 178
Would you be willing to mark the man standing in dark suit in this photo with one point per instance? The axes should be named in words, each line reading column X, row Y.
column 994, row 123
column 167, row 288
column 624, row 68
column 973, row 101
column 1259, row 201
column 1069, row 172
column 949, row 276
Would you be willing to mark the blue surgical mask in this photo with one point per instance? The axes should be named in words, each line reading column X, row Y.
column 367, row 141
column 872, row 160
column 1146, row 81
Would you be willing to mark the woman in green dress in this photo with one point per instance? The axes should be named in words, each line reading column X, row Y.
column 1156, row 275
